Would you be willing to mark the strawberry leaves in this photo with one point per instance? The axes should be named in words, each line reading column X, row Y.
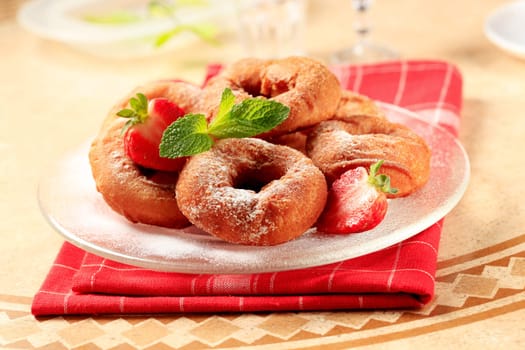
column 138, row 113
column 146, row 121
column 380, row 181
column 356, row 201
column 191, row 134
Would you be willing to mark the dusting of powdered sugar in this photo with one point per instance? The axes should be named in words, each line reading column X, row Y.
column 241, row 208
column 70, row 202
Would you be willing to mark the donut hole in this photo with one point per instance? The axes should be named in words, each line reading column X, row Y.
column 252, row 89
column 256, row 179
column 266, row 88
column 272, row 88
column 159, row 177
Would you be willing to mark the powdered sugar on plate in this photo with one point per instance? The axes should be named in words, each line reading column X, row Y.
column 70, row 202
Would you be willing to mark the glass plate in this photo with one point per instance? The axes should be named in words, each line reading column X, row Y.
column 70, row 202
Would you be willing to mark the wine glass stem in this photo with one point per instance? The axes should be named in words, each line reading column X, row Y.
column 361, row 25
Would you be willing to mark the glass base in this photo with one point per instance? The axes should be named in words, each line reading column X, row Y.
column 364, row 53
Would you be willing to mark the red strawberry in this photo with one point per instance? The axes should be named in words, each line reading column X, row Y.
column 147, row 121
column 356, row 202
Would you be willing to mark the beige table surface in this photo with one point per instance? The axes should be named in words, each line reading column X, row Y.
column 53, row 97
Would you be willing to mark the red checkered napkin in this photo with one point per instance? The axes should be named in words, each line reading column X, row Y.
column 400, row 276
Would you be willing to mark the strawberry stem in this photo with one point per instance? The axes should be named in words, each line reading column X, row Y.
column 380, row 181
column 138, row 113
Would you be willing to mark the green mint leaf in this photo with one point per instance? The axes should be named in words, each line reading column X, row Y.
column 185, row 137
column 226, row 104
column 249, row 118
column 191, row 134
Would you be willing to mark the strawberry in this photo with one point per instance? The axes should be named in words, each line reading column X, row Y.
column 356, row 202
column 143, row 131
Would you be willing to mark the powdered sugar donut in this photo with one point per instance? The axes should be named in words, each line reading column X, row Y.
column 306, row 86
column 249, row 191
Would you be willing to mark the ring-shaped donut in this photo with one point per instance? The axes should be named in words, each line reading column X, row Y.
column 336, row 146
column 141, row 195
column 306, row 86
column 249, row 191
column 350, row 105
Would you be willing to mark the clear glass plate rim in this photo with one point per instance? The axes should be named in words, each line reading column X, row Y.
column 197, row 267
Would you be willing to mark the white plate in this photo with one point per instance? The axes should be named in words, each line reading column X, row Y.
column 70, row 202
column 505, row 28
column 62, row 20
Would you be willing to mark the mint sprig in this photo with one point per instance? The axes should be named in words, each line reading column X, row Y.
column 185, row 137
column 251, row 117
column 192, row 134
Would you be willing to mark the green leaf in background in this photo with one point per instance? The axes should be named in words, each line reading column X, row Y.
column 113, row 18
column 183, row 3
column 160, row 9
column 204, row 31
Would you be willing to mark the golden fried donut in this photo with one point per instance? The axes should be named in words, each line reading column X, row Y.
column 352, row 103
column 295, row 140
column 141, row 195
column 249, row 191
column 306, row 86
column 336, row 146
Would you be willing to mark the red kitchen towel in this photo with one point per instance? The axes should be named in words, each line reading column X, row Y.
column 400, row 276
